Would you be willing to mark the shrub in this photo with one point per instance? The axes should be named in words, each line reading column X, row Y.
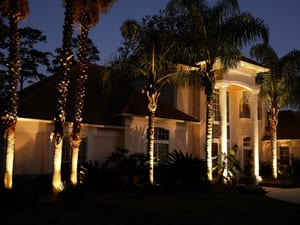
column 265, row 169
column 182, row 169
column 118, row 171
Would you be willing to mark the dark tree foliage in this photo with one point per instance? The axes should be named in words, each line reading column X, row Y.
column 32, row 59
column 92, row 55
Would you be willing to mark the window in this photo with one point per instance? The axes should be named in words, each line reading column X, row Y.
column 66, row 155
column 244, row 105
column 161, row 144
column 247, row 151
column 216, row 130
column 284, row 156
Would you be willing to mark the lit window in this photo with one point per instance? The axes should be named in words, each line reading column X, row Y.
column 161, row 144
column 244, row 105
column 66, row 155
column 284, row 155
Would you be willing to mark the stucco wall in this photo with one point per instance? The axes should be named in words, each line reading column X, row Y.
column 34, row 151
column 136, row 131
column 293, row 145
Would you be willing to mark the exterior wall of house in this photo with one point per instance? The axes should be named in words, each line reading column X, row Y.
column 135, row 134
column 34, row 151
column 190, row 100
column 292, row 144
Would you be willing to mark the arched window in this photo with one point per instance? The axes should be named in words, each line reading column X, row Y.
column 244, row 105
column 161, row 144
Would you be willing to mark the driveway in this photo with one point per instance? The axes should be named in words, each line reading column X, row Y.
column 284, row 194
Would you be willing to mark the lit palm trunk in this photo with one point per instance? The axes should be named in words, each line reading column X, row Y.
column 87, row 15
column 80, row 93
column 273, row 125
column 9, row 158
column 58, row 133
column 152, row 106
column 209, row 136
column 56, row 178
column 15, row 13
column 74, row 162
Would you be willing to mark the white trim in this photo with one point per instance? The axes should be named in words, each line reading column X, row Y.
column 70, row 123
column 251, row 88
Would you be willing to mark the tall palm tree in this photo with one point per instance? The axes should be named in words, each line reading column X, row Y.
column 15, row 10
column 148, row 52
column 217, row 32
column 62, row 91
column 278, row 86
column 86, row 15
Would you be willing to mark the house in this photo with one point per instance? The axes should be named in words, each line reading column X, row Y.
column 288, row 139
column 119, row 119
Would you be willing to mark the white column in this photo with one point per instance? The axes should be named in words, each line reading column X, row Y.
column 255, row 136
column 223, row 114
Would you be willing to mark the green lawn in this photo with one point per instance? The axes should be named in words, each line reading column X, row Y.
column 180, row 207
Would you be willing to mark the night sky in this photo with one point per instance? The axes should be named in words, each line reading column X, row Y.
column 282, row 17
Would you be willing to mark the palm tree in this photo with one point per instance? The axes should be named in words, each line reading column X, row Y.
column 148, row 51
column 15, row 10
column 217, row 33
column 66, row 61
column 277, row 87
column 86, row 15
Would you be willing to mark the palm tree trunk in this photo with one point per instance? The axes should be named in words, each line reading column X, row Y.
column 150, row 146
column 209, row 135
column 80, row 93
column 56, row 177
column 152, row 106
column 209, row 90
column 12, row 108
column 75, row 143
column 66, row 56
column 273, row 130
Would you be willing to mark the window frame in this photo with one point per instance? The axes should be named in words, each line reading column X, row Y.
column 161, row 141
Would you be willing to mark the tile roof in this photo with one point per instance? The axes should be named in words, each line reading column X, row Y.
column 39, row 100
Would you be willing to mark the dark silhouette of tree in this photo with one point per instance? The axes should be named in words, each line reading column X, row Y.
column 92, row 55
column 31, row 58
